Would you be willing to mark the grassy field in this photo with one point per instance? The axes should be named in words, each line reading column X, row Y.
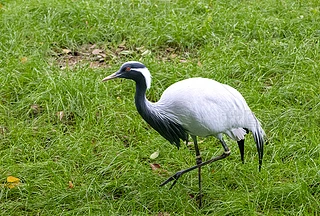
column 79, row 147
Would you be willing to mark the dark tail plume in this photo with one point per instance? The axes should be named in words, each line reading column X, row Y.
column 258, row 135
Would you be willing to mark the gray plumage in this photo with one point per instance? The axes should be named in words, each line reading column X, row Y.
column 196, row 106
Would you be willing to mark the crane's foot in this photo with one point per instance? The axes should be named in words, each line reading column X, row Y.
column 199, row 199
column 174, row 178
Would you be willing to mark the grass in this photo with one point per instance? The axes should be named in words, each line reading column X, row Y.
column 79, row 147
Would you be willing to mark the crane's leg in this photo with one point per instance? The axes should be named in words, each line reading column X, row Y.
column 187, row 139
column 176, row 176
column 241, row 148
column 198, row 161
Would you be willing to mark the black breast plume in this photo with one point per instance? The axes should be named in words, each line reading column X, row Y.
column 166, row 127
column 155, row 117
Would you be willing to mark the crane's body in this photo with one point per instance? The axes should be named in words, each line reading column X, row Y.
column 196, row 106
column 219, row 108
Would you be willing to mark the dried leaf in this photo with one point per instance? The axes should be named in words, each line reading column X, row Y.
column 60, row 115
column 96, row 51
column 154, row 155
column 13, row 185
column 122, row 45
column 11, row 179
column 35, row 108
column 163, row 214
column 183, row 61
column 93, row 46
column 125, row 52
column 94, row 64
column 141, row 49
column 71, row 184
column 191, row 196
column 103, row 55
column 12, row 182
column 191, row 142
column 155, row 166
column 3, row 130
column 147, row 52
column 169, row 49
column 66, row 51
column 199, row 64
column 173, row 55
column 23, row 60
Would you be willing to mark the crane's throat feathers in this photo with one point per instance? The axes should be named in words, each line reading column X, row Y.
column 163, row 124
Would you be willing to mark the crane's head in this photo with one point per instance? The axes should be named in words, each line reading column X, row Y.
column 132, row 70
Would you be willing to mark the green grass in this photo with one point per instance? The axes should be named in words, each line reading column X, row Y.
column 268, row 50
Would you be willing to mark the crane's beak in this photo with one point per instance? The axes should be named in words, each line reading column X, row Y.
column 112, row 76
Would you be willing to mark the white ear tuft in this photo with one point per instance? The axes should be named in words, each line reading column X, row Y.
column 147, row 76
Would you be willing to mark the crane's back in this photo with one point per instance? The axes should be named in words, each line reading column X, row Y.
column 206, row 107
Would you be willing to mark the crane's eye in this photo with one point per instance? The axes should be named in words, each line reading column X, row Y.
column 128, row 68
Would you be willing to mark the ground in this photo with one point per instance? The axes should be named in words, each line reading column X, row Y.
column 72, row 145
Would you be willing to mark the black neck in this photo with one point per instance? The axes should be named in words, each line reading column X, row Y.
column 141, row 101
column 156, row 118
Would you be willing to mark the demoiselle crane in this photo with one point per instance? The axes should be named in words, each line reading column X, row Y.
column 196, row 106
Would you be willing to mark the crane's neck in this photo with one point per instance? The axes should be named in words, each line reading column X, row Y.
column 144, row 107
column 156, row 117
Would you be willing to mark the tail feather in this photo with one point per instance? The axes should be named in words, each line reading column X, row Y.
column 237, row 134
column 258, row 135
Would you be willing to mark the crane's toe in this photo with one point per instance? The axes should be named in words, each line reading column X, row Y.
column 174, row 178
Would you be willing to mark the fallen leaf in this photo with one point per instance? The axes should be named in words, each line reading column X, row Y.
column 163, row 214
column 199, row 64
column 71, row 184
column 169, row 49
column 122, row 45
column 66, row 51
column 96, row 51
column 125, row 52
column 93, row 46
column 60, row 115
column 141, row 48
column 103, row 55
column 35, row 108
column 155, row 166
column 183, row 61
column 191, row 142
column 3, row 130
column 147, row 52
column 94, row 64
column 173, row 55
column 154, row 155
column 12, row 182
column 24, row 60
column 191, row 196
column 11, row 179
column 12, row 185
